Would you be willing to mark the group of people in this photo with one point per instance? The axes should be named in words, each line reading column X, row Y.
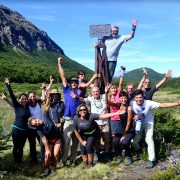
column 117, row 118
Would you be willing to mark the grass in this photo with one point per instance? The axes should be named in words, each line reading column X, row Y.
column 100, row 171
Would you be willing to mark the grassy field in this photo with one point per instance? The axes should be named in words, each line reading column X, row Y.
column 99, row 171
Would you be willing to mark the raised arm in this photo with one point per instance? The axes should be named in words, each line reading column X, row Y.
column 166, row 105
column 61, row 72
column 12, row 96
column 121, row 77
column 143, row 78
column 167, row 75
column 86, row 85
column 48, row 101
column 4, row 97
column 131, row 35
column 51, row 80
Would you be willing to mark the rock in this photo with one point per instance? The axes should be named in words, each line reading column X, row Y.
column 18, row 32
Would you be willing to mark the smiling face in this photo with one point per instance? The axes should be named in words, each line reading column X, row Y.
column 123, row 100
column 113, row 90
column 23, row 100
column 36, row 122
column 74, row 84
column 32, row 97
column 55, row 98
column 96, row 92
column 139, row 99
column 83, row 111
column 147, row 83
column 130, row 89
column 114, row 31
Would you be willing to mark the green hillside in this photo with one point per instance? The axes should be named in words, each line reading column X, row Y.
column 21, row 66
column 136, row 75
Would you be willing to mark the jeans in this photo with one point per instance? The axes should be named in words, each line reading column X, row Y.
column 149, row 128
column 68, row 135
column 111, row 66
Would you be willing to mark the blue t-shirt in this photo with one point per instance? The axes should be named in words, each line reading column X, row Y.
column 70, row 103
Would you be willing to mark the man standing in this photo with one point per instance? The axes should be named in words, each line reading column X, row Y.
column 98, row 105
column 71, row 104
column 144, row 112
column 113, row 44
column 145, row 84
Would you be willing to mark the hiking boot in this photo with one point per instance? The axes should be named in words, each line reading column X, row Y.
column 46, row 172
column 85, row 164
column 90, row 164
column 150, row 164
column 119, row 160
column 129, row 161
column 53, row 169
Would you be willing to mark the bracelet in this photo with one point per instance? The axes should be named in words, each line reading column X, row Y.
column 48, row 96
column 133, row 28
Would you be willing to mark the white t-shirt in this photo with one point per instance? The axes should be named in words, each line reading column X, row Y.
column 146, row 109
column 113, row 45
column 98, row 106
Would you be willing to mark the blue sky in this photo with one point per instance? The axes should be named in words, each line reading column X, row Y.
column 156, row 44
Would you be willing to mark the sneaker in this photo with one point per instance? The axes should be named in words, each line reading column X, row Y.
column 61, row 164
column 150, row 164
column 46, row 172
column 129, row 161
column 73, row 163
column 18, row 166
column 119, row 160
column 53, row 169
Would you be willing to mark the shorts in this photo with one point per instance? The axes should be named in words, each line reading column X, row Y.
column 54, row 141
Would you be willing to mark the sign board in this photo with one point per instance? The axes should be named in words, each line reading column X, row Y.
column 100, row 30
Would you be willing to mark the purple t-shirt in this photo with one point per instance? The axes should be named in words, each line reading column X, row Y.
column 70, row 103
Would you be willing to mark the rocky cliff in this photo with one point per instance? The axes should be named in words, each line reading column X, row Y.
column 15, row 30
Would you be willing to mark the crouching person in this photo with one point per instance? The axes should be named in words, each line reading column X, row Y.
column 88, row 132
column 50, row 138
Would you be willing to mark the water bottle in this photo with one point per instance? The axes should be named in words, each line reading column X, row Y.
column 141, row 116
column 138, row 126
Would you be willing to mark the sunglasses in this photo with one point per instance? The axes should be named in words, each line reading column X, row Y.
column 82, row 110
column 82, row 74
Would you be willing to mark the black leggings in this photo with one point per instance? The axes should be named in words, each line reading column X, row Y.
column 125, row 144
column 91, row 142
column 19, row 139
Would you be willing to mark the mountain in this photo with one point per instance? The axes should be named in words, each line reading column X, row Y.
column 136, row 74
column 15, row 30
column 28, row 54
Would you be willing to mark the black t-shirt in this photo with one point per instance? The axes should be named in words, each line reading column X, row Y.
column 21, row 113
column 53, row 133
column 87, row 125
column 148, row 93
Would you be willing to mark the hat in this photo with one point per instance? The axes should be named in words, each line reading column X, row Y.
column 54, row 91
column 74, row 80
